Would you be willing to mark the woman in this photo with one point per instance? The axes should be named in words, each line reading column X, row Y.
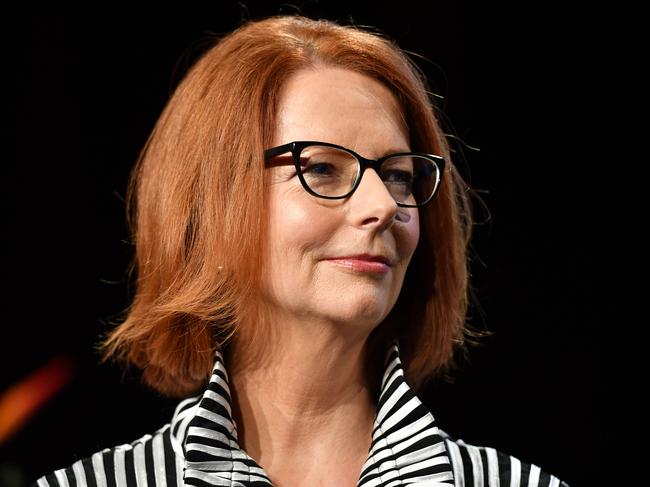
column 297, row 219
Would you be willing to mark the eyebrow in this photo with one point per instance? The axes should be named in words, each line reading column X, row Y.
column 287, row 159
column 393, row 150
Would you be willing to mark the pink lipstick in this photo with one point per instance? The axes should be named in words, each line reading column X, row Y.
column 363, row 263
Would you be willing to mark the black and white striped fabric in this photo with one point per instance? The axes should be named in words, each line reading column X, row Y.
column 199, row 447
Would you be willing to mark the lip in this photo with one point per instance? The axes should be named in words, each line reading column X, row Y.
column 363, row 263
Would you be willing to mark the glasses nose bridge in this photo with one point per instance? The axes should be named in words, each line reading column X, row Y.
column 369, row 163
column 374, row 164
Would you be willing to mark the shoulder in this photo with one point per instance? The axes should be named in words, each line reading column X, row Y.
column 150, row 460
column 480, row 465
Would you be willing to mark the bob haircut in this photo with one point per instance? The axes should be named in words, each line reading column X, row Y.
column 196, row 210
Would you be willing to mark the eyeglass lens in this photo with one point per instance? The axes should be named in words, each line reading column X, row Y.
column 329, row 171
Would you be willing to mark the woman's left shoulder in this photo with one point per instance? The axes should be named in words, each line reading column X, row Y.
column 489, row 466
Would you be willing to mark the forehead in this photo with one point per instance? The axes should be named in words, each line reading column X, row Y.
column 341, row 106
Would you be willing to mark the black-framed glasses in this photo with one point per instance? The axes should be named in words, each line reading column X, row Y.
column 330, row 171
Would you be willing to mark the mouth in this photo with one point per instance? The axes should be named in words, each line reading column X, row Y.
column 363, row 263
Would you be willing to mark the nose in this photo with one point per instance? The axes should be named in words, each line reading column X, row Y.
column 372, row 204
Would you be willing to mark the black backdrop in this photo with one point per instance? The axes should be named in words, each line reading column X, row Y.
column 86, row 89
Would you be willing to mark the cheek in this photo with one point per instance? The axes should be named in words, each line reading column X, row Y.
column 297, row 226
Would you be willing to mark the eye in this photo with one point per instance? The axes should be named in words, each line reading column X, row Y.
column 319, row 168
column 397, row 176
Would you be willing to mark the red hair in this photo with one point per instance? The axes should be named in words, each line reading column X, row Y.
column 196, row 208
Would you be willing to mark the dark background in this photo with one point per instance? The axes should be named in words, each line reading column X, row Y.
column 85, row 91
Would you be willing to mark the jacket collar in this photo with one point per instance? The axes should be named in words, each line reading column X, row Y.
column 407, row 445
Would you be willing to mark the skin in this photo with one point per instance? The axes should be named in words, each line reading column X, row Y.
column 309, row 416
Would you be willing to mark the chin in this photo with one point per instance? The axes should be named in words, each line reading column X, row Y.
column 361, row 316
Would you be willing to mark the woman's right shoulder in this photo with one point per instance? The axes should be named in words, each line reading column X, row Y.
column 153, row 459
column 482, row 465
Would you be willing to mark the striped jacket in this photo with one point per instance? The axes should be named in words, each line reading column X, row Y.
column 199, row 447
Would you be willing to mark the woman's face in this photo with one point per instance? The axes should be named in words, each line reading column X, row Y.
column 303, row 282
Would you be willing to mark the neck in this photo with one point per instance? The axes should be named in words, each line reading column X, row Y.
column 313, row 401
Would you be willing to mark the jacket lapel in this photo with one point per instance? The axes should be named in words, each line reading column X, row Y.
column 406, row 448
